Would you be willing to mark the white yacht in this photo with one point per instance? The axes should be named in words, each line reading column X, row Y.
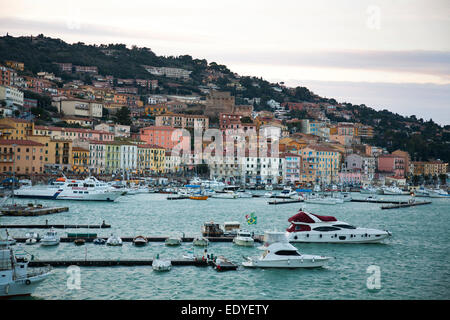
column 51, row 238
column 287, row 192
column 65, row 189
column 438, row 193
column 368, row 190
column 244, row 194
column 279, row 253
column 16, row 279
column 268, row 187
column 225, row 195
column 422, row 192
column 309, row 227
column 316, row 199
column 394, row 191
column 114, row 240
column 244, row 238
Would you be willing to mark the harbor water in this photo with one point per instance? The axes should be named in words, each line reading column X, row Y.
column 414, row 263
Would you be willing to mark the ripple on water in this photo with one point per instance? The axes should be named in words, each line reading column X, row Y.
column 414, row 263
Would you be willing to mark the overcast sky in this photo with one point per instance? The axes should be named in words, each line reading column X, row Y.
column 387, row 54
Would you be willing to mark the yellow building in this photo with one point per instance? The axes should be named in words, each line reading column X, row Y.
column 151, row 158
column 434, row 168
column 57, row 152
column 153, row 110
column 15, row 129
column 320, row 164
column 80, row 160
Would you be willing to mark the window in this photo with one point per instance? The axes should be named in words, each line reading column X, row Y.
column 287, row 253
column 344, row 226
column 326, row 229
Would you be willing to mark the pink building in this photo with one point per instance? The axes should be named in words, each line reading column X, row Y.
column 390, row 163
column 165, row 137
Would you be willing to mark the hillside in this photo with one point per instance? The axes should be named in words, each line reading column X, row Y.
column 423, row 140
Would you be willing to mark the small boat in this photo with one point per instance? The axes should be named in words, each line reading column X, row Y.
column 32, row 238
column 438, row 193
column 244, row 238
column 287, row 192
column 244, row 194
column 323, row 200
column 268, row 195
column 231, row 228
column 279, row 253
column 114, row 241
column 16, row 278
column 161, row 264
column 173, row 241
column 394, row 191
column 368, row 190
column 50, row 238
column 268, row 187
column 99, row 241
column 140, row 241
column 200, row 242
column 226, row 195
column 200, row 197
column 79, row 242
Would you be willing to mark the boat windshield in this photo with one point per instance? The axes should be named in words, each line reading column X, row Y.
column 287, row 253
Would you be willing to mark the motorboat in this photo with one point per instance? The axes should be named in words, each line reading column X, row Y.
column 372, row 199
column 268, row 195
column 16, row 279
column 32, row 238
column 315, row 199
column 99, row 241
column 279, row 253
column 244, row 194
column 89, row 189
column 422, row 192
column 287, row 192
column 198, row 197
column 244, row 238
column 226, row 195
column 50, row 238
column 268, row 187
column 394, row 191
column 140, row 241
column 114, row 240
column 173, row 241
column 161, row 264
column 79, row 242
column 200, row 242
column 368, row 190
column 438, row 193
column 309, row 227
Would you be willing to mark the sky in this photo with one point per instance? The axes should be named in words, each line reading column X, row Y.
column 391, row 55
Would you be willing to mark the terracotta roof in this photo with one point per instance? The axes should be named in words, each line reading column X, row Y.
column 20, row 142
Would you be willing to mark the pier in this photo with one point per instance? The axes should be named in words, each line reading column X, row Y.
column 411, row 204
column 91, row 238
column 284, row 201
column 224, row 264
column 380, row 201
column 25, row 211
column 55, row 226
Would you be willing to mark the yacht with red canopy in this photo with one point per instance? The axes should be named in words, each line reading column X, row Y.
column 309, row 227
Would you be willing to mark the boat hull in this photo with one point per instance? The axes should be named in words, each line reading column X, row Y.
column 244, row 243
column 22, row 287
column 301, row 262
column 337, row 237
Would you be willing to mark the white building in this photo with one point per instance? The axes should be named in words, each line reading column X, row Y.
column 118, row 130
column 128, row 157
column 97, row 156
column 12, row 97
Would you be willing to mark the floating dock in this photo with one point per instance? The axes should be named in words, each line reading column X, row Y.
column 177, row 197
column 411, row 204
column 55, row 226
column 90, row 238
column 379, row 201
column 28, row 211
column 224, row 265
column 284, row 201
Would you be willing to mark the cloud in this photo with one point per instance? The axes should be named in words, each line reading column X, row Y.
column 415, row 61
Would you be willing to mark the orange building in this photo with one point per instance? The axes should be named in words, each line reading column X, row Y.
column 23, row 156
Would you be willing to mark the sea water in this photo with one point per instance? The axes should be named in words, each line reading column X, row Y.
column 413, row 264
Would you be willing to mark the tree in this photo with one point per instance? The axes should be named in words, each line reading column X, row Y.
column 122, row 116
